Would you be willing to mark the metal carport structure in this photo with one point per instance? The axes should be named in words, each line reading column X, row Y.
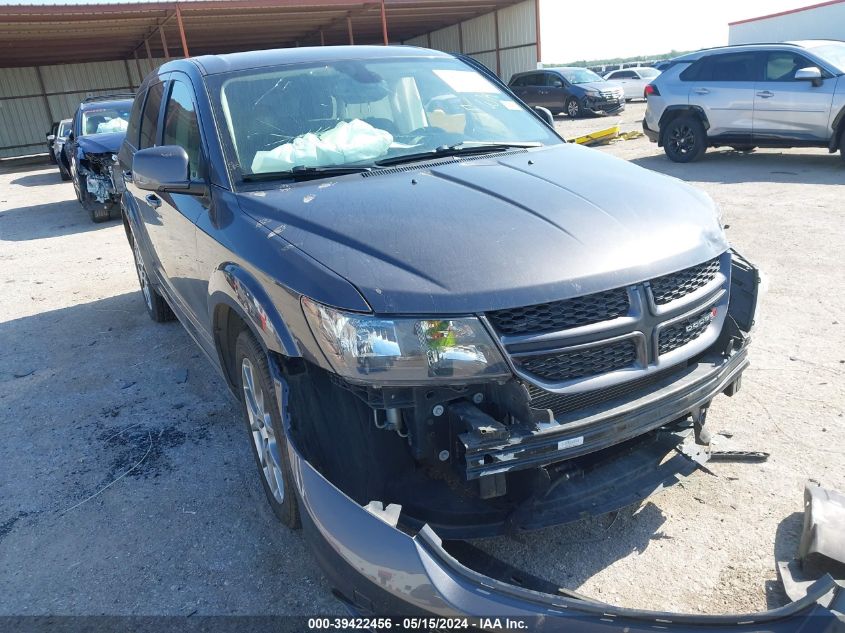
column 52, row 56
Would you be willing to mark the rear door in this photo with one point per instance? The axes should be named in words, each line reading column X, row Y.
column 527, row 87
column 723, row 86
column 786, row 108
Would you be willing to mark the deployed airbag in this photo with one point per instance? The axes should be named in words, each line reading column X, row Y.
column 347, row 142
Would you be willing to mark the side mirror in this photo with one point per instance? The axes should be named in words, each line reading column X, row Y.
column 165, row 168
column 70, row 136
column 51, row 138
column 811, row 73
column 546, row 115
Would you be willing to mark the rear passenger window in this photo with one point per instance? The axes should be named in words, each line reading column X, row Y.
column 782, row 65
column 181, row 127
column 149, row 119
column 518, row 82
column 728, row 67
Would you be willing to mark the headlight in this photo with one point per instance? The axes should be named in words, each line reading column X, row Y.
column 366, row 348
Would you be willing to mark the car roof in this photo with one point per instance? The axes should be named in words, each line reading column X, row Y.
column 213, row 64
column 102, row 105
column 757, row 46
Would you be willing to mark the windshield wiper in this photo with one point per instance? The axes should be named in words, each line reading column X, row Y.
column 301, row 172
column 454, row 150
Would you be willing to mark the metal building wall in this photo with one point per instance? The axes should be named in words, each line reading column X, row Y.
column 32, row 98
column 825, row 22
column 505, row 41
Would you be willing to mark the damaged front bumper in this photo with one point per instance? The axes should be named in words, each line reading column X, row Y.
column 101, row 182
column 376, row 568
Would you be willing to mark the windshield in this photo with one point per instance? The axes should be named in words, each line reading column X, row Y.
column 105, row 119
column 354, row 113
column 832, row 53
column 64, row 128
column 580, row 75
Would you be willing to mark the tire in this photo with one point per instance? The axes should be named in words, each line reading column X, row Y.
column 685, row 139
column 573, row 108
column 264, row 424
column 156, row 306
column 842, row 144
column 64, row 175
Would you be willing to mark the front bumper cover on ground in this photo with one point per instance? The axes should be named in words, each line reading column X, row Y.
column 378, row 569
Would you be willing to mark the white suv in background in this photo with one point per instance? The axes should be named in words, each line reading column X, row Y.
column 756, row 95
column 633, row 80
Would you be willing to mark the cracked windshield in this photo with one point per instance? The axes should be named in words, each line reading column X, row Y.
column 361, row 114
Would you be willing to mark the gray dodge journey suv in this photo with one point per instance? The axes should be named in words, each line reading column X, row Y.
column 441, row 321
column 757, row 95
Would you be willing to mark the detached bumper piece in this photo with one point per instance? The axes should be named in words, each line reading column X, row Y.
column 379, row 569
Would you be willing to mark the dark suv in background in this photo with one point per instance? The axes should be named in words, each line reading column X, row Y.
column 573, row 91
column 90, row 152
column 441, row 321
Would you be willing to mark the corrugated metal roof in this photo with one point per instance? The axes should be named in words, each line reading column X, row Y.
column 32, row 35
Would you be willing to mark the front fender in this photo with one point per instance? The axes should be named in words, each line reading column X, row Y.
column 235, row 287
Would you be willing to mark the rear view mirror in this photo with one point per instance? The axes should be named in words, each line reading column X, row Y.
column 811, row 73
column 546, row 115
column 164, row 168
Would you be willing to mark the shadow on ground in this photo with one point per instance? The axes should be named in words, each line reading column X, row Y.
column 41, row 221
column 127, row 485
column 729, row 167
column 39, row 179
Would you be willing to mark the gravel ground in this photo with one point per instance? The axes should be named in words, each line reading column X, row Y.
column 127, row 486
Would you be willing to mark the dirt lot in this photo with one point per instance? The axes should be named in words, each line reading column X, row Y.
column 127, row 486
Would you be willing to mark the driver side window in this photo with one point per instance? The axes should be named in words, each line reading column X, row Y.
column 181, row 126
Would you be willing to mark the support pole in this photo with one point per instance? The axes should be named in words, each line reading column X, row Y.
column 44, row 96
column 498, row 49
column 138, row 67
column 322, row 38
column 384, row 23
column 149, row 54
column 129, row 81
column 182, row 31
column 349, row 28
column 164, row 42
column 537, row 16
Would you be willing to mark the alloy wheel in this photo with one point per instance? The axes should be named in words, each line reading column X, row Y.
column 572, row 108
column 263, row 433
column 682, row 139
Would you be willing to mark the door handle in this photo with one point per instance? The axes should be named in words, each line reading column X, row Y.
column 766, row 94
column 153, row 200
column 701, row 91
column 544, row 92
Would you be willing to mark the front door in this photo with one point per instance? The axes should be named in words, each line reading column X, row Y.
column 786, row 108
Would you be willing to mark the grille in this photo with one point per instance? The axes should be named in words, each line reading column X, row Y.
column 566, row 403
column 676, row 285
column 682, row 332
column 561, row 315
column 582, row 363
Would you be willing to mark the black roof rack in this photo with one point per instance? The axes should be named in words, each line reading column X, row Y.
column 110, row 97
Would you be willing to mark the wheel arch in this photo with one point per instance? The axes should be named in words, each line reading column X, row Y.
column 672, row 112
column 237, row 300
column 837, row 127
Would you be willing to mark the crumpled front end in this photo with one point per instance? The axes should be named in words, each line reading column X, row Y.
column 101, row 185
column 378, row 567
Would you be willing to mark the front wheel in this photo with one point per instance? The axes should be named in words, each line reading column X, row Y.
column 264, row 423
column 573, row 108
column 685, row 139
